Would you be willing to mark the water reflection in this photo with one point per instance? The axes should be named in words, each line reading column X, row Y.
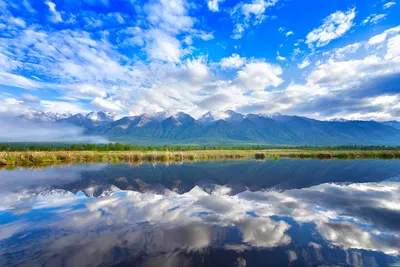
column 59, row 222
column 238, row 175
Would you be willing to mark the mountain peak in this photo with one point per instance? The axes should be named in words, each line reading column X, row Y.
column 161, row 115
column 228, row 116
column 338, row 120
column 270, row 115
column 41, row 116
column 102, row 116
column 184, row 118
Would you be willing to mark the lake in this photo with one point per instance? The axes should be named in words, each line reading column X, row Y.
column 224, row 213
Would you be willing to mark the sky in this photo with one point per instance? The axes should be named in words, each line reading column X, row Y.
column 320, row 59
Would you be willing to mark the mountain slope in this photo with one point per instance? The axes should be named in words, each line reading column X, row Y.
column 232, row 128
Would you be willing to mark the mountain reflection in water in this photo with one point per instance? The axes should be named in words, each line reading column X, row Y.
column 241, row 213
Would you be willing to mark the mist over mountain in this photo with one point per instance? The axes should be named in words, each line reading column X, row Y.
column 225, row 127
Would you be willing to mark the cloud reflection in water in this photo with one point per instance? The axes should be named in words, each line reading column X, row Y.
column 77, row 218
column 149, row 228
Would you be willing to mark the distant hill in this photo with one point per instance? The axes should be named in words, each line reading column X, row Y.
column 228, row 127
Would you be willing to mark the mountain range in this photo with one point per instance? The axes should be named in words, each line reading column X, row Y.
column 227, row 127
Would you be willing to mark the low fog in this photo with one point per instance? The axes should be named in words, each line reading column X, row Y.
column 15, row 130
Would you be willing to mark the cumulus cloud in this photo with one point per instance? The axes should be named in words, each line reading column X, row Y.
column 259, row 76
column 393, row 51
column 377, row 39
column 333, row 27
column 233, row 62
column 152, row 63
column 197, row 69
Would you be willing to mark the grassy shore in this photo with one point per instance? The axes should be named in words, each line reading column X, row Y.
column 27, row 158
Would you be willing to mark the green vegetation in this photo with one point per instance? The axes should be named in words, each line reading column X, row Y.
column 19, row 147
column 32, row 158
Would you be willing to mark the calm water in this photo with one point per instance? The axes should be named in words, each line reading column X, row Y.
column 232, row 213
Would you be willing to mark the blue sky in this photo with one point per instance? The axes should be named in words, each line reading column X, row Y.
column 322, row 59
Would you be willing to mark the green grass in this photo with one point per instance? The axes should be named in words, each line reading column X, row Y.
column 27, row 158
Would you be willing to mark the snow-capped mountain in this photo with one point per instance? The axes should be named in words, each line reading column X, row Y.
column 95, row 116
column 103, row 116
column 228, row 126
column 274, row 115
column 40, row 116
column 162, row 115
column 184, row 118
column 228, row 116
column 338, row 120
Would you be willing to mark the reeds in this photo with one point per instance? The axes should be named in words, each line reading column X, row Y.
column 56, row 157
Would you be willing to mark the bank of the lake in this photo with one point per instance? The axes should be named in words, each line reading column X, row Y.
column 53, row 157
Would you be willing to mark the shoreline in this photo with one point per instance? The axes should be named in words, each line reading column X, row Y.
column 28, row 158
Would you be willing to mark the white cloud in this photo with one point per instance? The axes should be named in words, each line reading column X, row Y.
column 393, row 51
column 28, row 98
column 380, row 38
column 205, row 36
column 340, row 73
column 17, row 81
column 238, row 31
column 256, row 8
column 215, row 102
column 377, row 39
column 304, row 64
column 95, row 20
column 213, row 5
column 162, row 46
column 233, row 62
column 28, row 6
column 260, row 75
column 389, row 5
column 334, row 26
column 62, row 107
column 347, row 50
column 197, row 70
column 163, row 73
column 249, row 14
column 279, row 57
column 16, row 132
column 105, row 105
column 55, row 15
column 169, row 16
column 374, row 18
column 289, row 33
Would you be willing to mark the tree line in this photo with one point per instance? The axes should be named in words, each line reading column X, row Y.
column 128, row 147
